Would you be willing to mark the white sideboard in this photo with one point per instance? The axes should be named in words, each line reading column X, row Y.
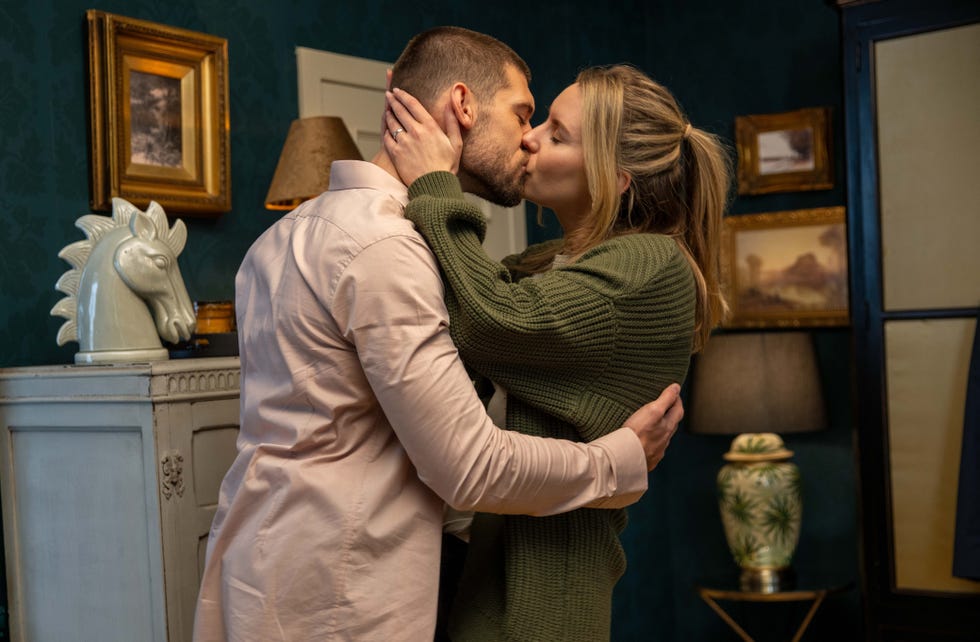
column 110, row 478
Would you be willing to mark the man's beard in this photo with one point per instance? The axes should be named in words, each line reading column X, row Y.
column 488, row 175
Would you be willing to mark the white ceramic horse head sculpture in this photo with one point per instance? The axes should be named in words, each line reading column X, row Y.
column 124, row 289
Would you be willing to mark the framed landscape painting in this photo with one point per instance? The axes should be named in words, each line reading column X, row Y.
column 785, row 152
column 786, row 269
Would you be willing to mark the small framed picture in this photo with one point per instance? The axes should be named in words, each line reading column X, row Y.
column 784, row 152
column 158, row 116
column 786, row 269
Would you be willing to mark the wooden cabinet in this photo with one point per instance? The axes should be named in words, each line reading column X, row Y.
column 110, row 478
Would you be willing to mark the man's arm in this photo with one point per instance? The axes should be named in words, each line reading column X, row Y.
column 389, row 304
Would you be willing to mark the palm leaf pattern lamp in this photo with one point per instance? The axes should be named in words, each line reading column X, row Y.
column 756, row 385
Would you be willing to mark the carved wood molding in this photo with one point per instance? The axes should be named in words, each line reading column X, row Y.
column 205, row 382
column 172, row 474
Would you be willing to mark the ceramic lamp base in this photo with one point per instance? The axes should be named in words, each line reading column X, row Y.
column 767, row 580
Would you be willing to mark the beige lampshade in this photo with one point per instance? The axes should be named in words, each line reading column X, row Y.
column 303, row 171
column 757, row 382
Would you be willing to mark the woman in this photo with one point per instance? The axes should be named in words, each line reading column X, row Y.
column 576, row 331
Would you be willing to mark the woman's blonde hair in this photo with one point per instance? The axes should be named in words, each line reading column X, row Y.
column 679, row 178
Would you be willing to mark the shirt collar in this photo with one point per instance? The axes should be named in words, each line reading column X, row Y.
column 353, row 174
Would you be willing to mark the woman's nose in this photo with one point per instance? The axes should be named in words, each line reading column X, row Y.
column 530, row 140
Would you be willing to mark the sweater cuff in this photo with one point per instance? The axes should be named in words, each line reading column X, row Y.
column 439, row 184
column 630, row 462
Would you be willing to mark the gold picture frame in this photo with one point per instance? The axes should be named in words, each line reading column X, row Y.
column 785, row 152
column 786, row 269
column 158, row 100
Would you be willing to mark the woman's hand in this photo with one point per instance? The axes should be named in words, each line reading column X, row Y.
column 414, row 140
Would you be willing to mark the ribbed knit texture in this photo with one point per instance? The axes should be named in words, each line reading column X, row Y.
column 578, row 349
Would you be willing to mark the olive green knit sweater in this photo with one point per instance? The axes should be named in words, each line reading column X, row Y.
column 578, row 349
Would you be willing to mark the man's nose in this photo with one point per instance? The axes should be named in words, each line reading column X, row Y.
column 529, row 141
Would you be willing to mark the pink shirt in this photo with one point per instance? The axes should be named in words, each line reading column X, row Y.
column 357, row 422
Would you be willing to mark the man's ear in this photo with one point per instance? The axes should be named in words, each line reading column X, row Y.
column 463, row 104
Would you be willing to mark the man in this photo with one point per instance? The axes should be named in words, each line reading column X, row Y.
column 358, row 420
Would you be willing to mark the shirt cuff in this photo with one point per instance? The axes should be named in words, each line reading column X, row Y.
column 630, row 463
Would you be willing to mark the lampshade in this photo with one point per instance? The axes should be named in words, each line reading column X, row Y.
column 303, row 171
column 757, row 382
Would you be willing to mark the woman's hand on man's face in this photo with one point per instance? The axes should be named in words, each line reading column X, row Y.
column 414, row 140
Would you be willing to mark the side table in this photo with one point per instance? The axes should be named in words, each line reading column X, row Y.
column 815, row 595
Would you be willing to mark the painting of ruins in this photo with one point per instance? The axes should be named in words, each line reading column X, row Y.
column 786, row 268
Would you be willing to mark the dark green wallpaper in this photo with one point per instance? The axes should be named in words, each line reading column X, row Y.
column 721, row 59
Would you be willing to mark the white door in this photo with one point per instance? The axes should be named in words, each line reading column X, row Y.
column 352, row 88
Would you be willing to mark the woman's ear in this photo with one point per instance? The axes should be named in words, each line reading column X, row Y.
column 463, row 105
column 623, row 181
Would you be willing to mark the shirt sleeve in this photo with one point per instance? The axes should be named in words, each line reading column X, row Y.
column 389, row 304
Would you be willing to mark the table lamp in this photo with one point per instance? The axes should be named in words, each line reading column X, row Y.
column 303, row 171
column 756, row 385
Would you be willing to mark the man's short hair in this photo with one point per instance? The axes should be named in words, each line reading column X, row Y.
column 435, row 59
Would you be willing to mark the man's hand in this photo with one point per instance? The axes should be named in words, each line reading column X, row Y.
column 656, row 422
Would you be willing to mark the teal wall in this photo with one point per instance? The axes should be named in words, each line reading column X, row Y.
column 721, row 58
